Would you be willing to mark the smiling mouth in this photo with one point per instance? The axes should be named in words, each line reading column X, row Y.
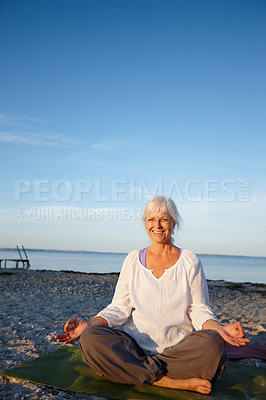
column 157, row 232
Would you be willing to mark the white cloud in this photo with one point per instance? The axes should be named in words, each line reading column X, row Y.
column 108, row 145
column 27, row 130
column 20, row 120
column 39, row 139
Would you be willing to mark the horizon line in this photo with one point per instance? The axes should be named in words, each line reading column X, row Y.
column 112, row 252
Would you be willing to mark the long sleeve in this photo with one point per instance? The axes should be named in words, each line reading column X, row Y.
column 119, row 310
column 199, row 309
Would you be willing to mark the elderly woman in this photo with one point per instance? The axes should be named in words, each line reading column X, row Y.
column 161, row 295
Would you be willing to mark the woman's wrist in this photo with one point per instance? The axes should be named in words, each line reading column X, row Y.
column 211, row 324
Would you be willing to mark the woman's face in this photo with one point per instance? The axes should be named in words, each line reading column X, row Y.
column 159, row 227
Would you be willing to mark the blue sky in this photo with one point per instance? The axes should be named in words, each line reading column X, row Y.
column 105, row 103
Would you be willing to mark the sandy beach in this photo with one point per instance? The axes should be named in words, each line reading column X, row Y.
column 36, row 304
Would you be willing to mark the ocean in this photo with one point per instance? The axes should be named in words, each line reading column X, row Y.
column 216, row 267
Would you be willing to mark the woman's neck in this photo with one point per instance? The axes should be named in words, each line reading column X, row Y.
column 162, row 248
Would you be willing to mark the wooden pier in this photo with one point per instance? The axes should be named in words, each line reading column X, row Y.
column 24, row 262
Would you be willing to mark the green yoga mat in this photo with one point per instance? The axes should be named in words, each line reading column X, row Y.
column 64, row 369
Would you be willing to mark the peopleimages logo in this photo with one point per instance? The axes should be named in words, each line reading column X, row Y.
column 85, row 191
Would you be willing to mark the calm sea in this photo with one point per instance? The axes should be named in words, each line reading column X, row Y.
column 228, row 268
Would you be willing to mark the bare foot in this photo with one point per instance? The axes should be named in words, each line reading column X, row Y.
column 193, row 384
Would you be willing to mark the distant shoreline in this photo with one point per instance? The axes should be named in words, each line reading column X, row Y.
column 228, row 268
column 122, row 253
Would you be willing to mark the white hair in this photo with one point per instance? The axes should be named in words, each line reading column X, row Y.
column 164, row 204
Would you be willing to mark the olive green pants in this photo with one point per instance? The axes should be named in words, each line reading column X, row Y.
column 115, row 355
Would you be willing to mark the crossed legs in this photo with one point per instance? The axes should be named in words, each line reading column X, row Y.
column 190, row 365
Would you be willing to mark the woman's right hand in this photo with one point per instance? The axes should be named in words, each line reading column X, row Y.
column 73, row 328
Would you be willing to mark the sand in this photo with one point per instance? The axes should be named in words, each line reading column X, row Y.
column 36, row 304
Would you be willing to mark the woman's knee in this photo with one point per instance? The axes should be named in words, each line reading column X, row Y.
column 89, row 335
column 214, row 340
column 213, row 350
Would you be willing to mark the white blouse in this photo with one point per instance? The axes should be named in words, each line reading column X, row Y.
column 159, row 312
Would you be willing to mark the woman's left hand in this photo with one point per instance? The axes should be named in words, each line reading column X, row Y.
column 233, row 334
